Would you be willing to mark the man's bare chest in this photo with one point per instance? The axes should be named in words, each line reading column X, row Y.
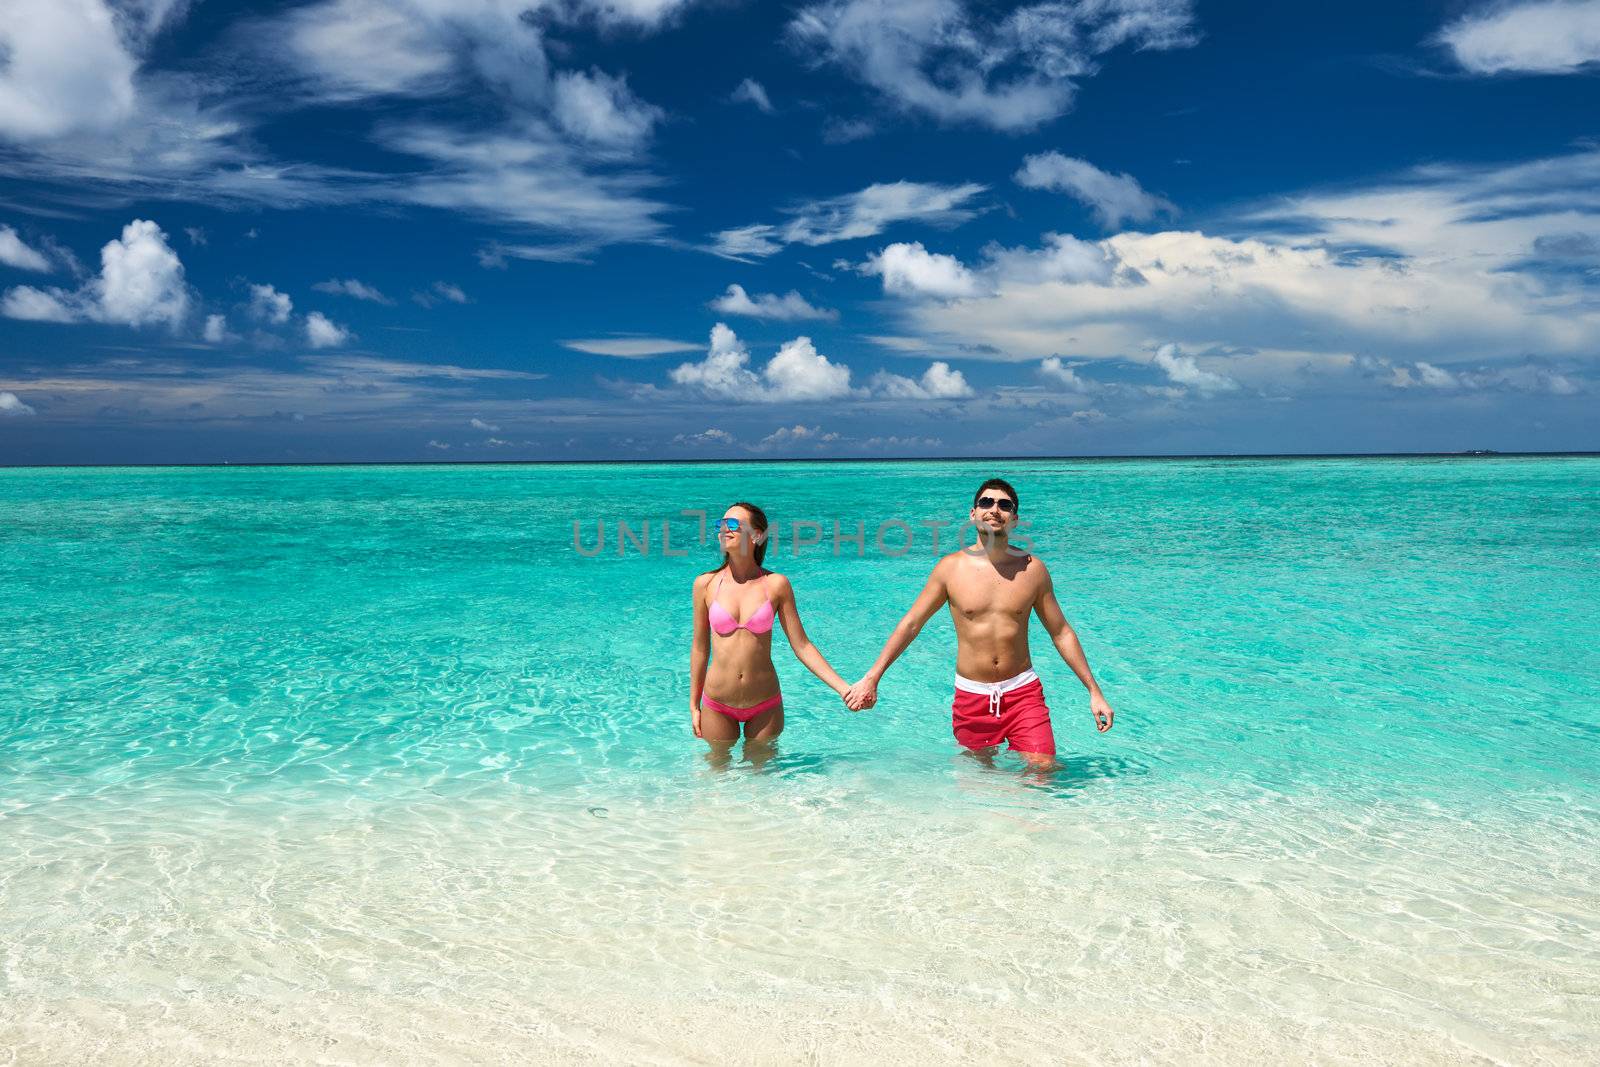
column 975, row 598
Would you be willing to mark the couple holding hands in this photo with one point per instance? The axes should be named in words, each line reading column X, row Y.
column 992, row 590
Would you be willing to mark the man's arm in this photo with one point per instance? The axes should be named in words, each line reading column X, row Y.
column 1066, row 642
column 933, row 596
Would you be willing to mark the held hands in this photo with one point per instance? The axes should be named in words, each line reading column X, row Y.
column 862, row 695
column 1101, row 711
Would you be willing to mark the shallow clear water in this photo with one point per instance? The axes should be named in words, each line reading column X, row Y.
column 372, row 763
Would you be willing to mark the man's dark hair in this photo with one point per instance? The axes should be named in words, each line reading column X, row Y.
column 997, row 483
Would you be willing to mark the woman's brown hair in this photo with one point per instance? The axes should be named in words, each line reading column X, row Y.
column 758, row 519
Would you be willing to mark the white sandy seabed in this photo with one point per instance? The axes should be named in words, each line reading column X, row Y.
column 756, row 923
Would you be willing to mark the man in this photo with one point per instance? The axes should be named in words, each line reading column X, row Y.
column 992, row 589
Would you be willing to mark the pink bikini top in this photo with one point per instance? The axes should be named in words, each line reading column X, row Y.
column 724, row 623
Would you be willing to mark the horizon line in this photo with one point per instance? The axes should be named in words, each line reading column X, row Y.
column 1470, row 454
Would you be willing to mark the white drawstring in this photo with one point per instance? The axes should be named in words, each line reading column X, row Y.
column 995, row 691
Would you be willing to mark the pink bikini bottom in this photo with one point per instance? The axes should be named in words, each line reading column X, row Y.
column 740, row 714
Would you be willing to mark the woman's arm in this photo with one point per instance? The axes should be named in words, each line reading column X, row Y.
column 804, row 650
column 699, row 651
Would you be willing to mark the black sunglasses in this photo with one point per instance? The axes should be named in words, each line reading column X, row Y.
column 997, row 502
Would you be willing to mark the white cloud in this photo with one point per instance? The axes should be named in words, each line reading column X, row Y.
column 543, row 162
column 712, row 436
column 353, row 288
column 1054, row 370
column 67, row 69
column 177, row 144
column 440, row 445
column 322, row 333
column 14, row 252
column 1498, row 213
column 895, row 441
column 486, row 427
column 1114, row 198
column 523, row 174
column 956, row 63
column 630, row 347
column 751, row 92
column 269, row 305
column 354, row 48
column 911, row 270
column 865, row 213
column 797, row 434
column 364, row 369
column 898, row 343
column 196, row 235
column 800, row 372
column 844, row 131
column 787, row 308
column 140, row 283
column 744, row 242
column 874, row 209
column 1059, row 258
column 1184, row 370
column 78, row 106
column 635, row 13
column 1532, row 378
column 1526, row 377
column 1400, row 378
column 357, row 48
column 337, row 386
column 216, row 329
column 36, row 305
column 441, row 291
column 797, row 373
column 11, row 406
column 938, row 382
column 141, row 278
column 1444, row 264
column 495, row 254
column 1435, row 377
column 602, row 110
column 1542, row 37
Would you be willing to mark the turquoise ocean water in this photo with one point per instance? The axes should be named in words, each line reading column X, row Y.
column 372, row 763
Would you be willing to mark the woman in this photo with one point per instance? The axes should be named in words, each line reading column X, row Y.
column 734, row 609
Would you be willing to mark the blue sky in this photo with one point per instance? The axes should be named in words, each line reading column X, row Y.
column 616, row 229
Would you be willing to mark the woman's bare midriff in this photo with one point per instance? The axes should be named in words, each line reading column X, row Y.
column 741, row 673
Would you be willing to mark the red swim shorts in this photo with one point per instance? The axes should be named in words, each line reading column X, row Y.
column 1023, row 722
